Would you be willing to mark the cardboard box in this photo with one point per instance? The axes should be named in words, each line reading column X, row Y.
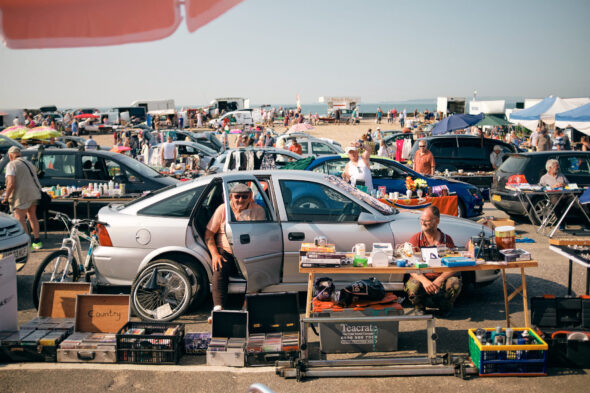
column 98, row 319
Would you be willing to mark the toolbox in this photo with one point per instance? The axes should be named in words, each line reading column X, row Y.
column 529, row 359
column 359, row 336
column 150, row 343
column 38, row 339
column 229, row 331
column 273, row 327
column 98, row 319
column 564, row 323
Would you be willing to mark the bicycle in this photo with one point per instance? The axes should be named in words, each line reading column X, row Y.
column 160, row 292
column 63, row 265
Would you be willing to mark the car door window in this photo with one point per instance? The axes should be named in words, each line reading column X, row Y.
column 383, row 170
column 179, row 205
column 117, row 173
column 304, row 147
column 574, row 165
column 443, row 148
column 321, row 148
column 313, row 202
column 58, row 165
column 257, row 199
column 332, row 167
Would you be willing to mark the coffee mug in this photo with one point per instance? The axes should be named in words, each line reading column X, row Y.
column 396, row 195
column 359, row 250
column 320, row 241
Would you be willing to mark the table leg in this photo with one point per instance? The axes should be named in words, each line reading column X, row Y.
column 309, row 299
column 75, row 209
column 506, row 309
column 525, row 301
column 587, row 281
column 45, row 221
column 563, row 215
column 88, row 209
column 569, row 279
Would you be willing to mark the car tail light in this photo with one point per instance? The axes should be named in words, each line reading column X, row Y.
column 516, row 179
column 104, row 239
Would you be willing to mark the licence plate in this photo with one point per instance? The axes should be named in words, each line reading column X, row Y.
column 496, row 198
column 18, row 253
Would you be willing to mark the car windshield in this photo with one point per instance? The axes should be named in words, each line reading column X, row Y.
column 138, row 167
column 150, row 194
column 350, row 190
column 514, row 164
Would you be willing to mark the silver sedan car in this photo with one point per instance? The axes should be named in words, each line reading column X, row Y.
column 155, row 243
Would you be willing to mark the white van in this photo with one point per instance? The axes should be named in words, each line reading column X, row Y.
column 238, row 118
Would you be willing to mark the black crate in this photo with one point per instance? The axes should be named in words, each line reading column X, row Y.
column 151, row 347
column 558, row 317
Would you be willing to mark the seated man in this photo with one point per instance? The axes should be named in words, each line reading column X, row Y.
column 555, row 179
column 432, row 289
column 222, row 260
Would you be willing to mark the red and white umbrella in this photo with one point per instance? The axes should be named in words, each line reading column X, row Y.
column 300, row 127
column 86, row 116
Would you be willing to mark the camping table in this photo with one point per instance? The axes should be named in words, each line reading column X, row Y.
column 562, row 250
column 312, row 271
column 526, row 200
column 445, row 204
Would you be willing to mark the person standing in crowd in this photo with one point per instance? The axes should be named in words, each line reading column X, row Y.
column 90, row 144
column 23, row 190
column 383, row 149
column 585, row 143
column 269, row 141
column 356, row 172
column 379, row 115
column 199, row 119
column 168, row 152
column 402, row 118
column 533, row 139
column 558, row 142
column 438, row 290
column 75, row 127
column 543, row 141
column 295, row 147
column 496, row 157
column 223, row 261
column 424, row 160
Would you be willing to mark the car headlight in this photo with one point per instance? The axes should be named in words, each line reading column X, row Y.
column 474, row 191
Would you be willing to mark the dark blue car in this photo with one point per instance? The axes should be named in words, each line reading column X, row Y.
column 391, row 174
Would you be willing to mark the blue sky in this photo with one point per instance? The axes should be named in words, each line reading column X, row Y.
column 269, row 51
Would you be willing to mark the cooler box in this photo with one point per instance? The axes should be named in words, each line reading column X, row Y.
column 564, row 323
column 227, row 325
column 39, row 338
column 98, row 319
column 359, row 336
column 273, row 327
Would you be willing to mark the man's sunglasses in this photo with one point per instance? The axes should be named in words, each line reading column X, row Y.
column 241, row 196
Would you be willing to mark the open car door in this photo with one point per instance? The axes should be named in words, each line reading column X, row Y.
column 256, row 240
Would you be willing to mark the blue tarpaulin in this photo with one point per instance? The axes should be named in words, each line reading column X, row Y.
column 455, row 122
column 535, row 111
column 581, row 113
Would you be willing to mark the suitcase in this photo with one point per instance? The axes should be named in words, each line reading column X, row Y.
column 229, row 331
column 564, row 323
column 39, row 338
column 273, row 328
column 98, row 318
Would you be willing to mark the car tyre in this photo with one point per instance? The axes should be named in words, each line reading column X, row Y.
column 461, row 210
column 201, row 293
column 162, row 282
column 309, row 202
column 58, row 257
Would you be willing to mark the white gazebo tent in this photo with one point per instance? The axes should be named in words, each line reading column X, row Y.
column 545, row 111
column 578, row 118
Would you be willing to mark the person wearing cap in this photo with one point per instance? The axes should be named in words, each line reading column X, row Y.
column 424, row 160
column 356, row 171
column 23, row 190
column 496, row 157
column 269, row 141
column 223, row 261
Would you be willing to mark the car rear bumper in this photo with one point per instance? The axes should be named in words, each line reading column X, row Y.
column 507, row 202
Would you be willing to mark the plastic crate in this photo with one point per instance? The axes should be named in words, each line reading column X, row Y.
column 509, row 360
column 152, row 346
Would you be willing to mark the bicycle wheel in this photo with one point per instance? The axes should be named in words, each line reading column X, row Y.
column 54, row 262
column 161, row 292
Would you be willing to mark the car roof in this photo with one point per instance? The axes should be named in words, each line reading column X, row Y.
column 105, row 153
column 551, row 153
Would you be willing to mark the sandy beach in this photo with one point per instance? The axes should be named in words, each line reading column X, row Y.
column 343, row 133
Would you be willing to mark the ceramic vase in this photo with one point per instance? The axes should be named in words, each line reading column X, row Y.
column 409, row 193
column 420, row 193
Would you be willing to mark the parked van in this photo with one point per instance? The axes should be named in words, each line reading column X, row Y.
column 226, row 104
column 238, row 118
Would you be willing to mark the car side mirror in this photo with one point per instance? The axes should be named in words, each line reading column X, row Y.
column 371, row 219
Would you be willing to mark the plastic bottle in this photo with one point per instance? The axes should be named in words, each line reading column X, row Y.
column 111, row 185
column 509, row 336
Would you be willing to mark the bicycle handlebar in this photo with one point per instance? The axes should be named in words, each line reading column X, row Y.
column 67, row 220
